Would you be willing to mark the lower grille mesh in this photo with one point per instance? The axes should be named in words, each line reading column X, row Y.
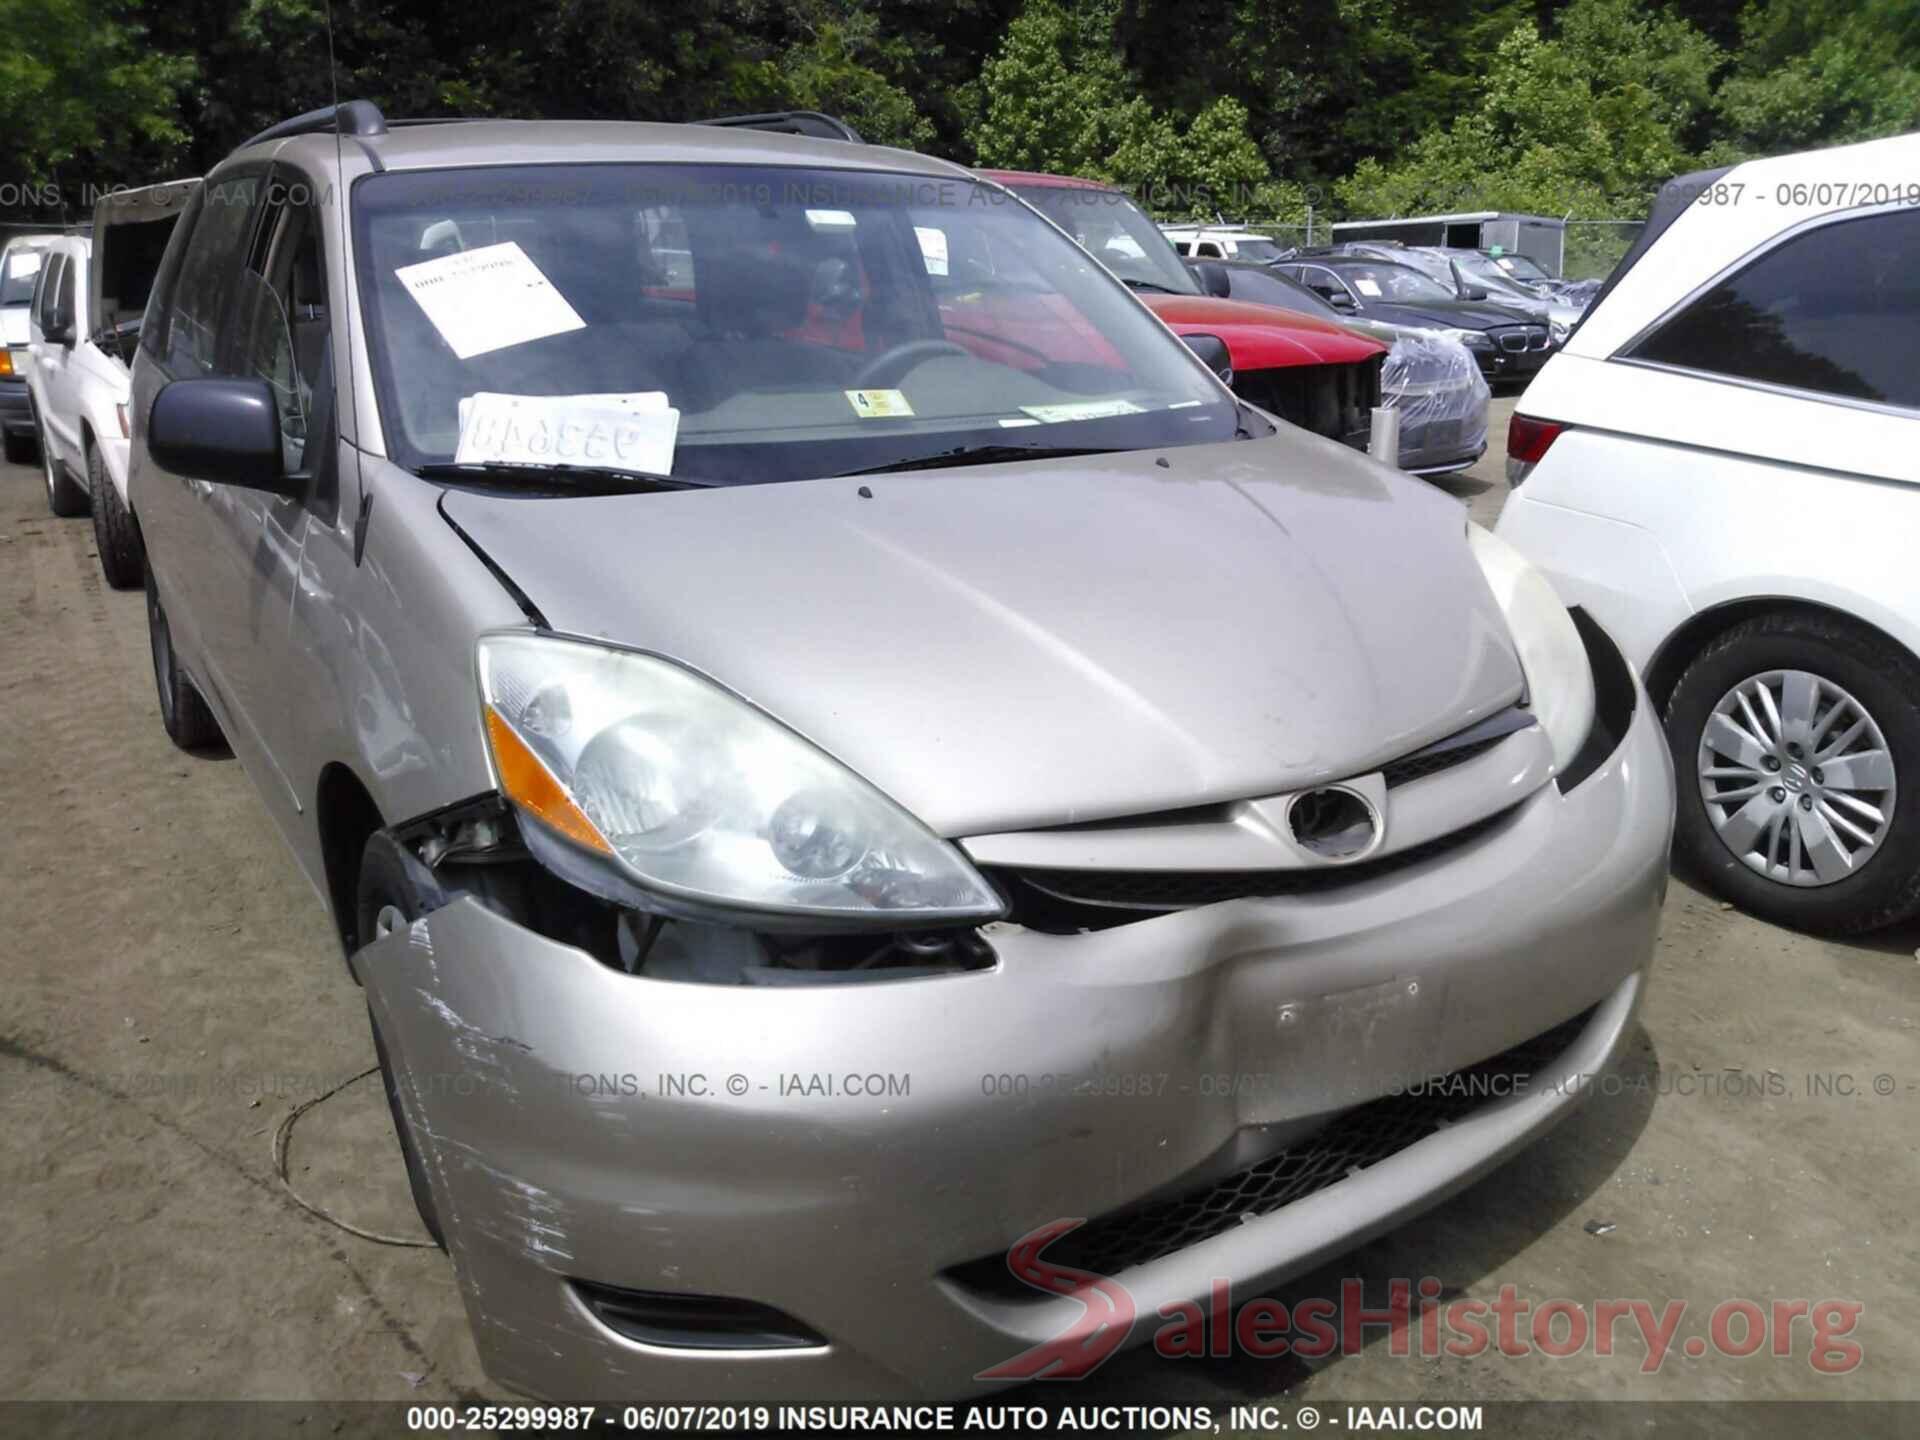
column 1117, row 1242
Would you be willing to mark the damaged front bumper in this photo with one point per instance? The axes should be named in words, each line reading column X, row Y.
column 836, row 1169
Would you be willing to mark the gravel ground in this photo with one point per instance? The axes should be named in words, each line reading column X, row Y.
column 170, row 989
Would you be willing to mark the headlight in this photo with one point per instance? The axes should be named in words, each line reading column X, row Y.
column 699, row 800
column 1472, row 339
column 1552, row 655
column 1558, row 330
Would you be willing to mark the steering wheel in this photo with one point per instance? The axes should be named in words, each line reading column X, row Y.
column 893, row 364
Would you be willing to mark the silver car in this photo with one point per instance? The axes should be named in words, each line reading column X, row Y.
column 874, row 804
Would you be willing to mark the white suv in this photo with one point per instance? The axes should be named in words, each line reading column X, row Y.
column 85, row 321
column 1225, row 242
column 1723, row 467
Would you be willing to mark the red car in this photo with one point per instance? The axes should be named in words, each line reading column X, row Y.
column 1309, row 371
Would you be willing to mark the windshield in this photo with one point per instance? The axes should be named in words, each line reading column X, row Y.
column 1521, row 267
column 1263, row 287
column 1114, row 231
column 1252, row 247
column 735, row 325
column 1485, row 270
column 1393, row 282
column 21, row 269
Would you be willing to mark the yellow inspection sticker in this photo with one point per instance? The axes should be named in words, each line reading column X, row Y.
column 878, row 404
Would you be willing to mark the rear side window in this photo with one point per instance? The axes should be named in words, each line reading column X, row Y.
column 209, row 273
column 1835, row 310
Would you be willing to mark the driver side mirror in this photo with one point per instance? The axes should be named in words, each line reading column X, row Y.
column 1341, row 300
column 1473, row 292
column 59, row 328
column 223, row 431
column 1213, row 278
column 1213, row 352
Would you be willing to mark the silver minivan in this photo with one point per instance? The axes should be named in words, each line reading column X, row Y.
column 873, row 802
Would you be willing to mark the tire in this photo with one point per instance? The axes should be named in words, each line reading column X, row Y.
column 1782, row 837
column 185, row 716
column 390, row 894
column 19, row 448
column 64, row 498
column 123, row 559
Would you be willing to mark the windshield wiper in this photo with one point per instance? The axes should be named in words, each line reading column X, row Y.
column 1153, row 285
column 585, row 479
column 984, row 455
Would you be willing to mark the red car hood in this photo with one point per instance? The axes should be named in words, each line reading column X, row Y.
column 1264, row 337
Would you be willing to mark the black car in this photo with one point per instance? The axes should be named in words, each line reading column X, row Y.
column 1504, row 342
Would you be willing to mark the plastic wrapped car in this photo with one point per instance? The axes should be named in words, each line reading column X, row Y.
column 1435, row 384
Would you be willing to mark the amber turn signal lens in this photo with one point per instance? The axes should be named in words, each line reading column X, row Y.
column 530, row 785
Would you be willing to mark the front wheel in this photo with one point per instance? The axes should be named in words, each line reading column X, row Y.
column 1796, row 739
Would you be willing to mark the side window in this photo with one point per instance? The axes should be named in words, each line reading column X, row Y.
column 205, row 284
column 1834, row 310
column 285, row 331
column 154, row 323
column 1207, row 250
column 1322, row 282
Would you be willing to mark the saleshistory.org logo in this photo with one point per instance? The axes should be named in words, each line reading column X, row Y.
column 1460, row 1327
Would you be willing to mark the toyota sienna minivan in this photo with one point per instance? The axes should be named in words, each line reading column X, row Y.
column 825, row 732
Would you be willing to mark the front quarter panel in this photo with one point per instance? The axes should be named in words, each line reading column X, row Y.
column 381, row 655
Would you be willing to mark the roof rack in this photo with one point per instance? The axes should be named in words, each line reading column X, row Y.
column 792, row 122
column 350, row 117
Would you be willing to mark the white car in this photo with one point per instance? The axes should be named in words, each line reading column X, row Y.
column 1225, row 242
column 84, row 324
column 1723, row 468
column 20, row 263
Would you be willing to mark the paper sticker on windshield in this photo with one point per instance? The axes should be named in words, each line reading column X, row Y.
column 933, row 248
column 487, row 299
column 620, row 432
column 1081, row 410
column 1366, row 286
column 878, row 404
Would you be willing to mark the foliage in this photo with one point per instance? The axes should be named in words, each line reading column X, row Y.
column 77, row 79
column 1254, row 108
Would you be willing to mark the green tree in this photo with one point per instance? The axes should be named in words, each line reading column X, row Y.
column 1813, row 72
column 1589, row 122
column 84, row 99
column 1058, row 97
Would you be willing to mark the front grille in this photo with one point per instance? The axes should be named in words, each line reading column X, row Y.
column 1518, row 339
column 1332, row 400
column 1064, row 901
column 1422, row 763
column 1123, row 1239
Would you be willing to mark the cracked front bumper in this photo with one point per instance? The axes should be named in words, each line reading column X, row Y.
column 565, row 1139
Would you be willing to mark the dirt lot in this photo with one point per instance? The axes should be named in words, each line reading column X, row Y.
column 169, row 989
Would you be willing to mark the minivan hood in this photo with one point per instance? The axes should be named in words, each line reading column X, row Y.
column 1011, row 646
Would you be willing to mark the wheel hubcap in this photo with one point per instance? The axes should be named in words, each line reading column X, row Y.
column 1797, row 778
